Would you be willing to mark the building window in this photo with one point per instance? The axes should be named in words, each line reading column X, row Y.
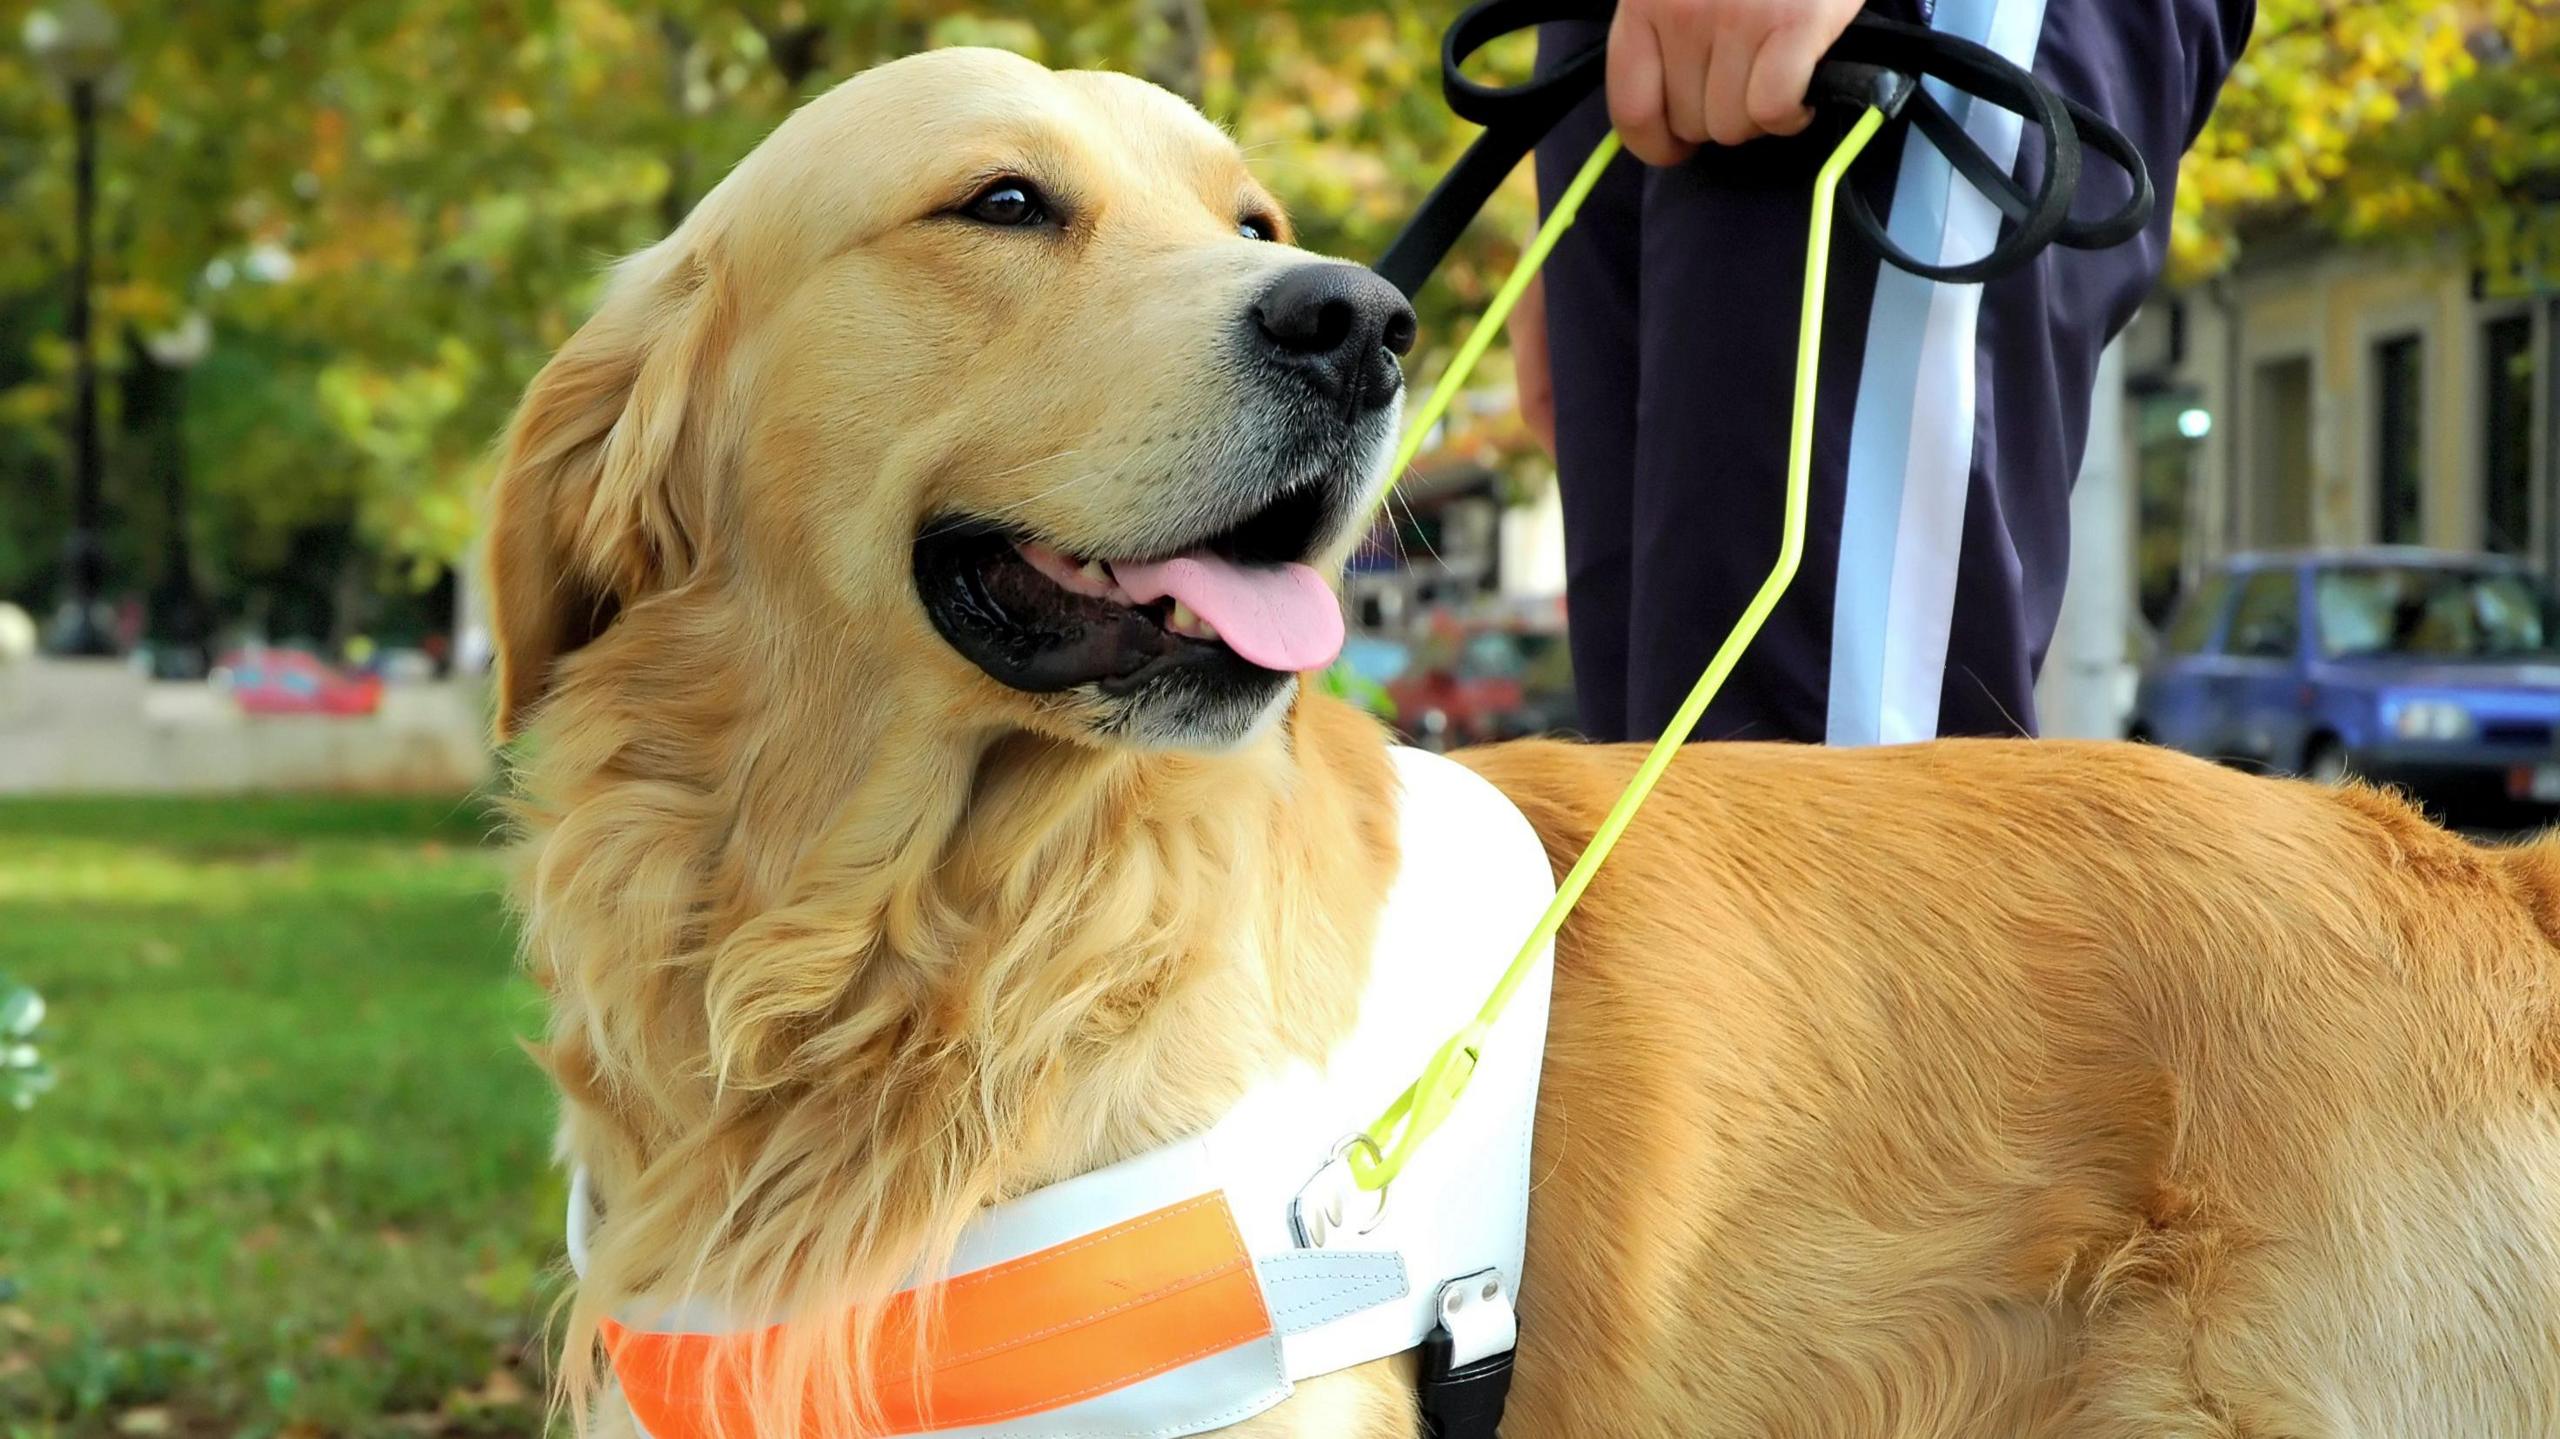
column 2399, row 395
column 2280, row 452
column 2506, row 463
column 2164, row 513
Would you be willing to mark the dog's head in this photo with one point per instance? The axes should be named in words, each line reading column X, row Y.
column 1007, row 382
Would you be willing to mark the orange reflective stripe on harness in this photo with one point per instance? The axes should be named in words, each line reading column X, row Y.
column 1065, row 1323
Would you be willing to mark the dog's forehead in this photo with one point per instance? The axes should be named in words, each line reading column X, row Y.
column 947, row 112
column 1156, row 131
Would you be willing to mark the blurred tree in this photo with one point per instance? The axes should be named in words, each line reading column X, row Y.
column 393, row 211
column 2385, row 120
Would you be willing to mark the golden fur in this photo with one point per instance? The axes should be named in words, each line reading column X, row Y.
column 1977, row 1088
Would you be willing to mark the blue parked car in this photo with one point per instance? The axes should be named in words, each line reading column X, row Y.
column 2439, row 673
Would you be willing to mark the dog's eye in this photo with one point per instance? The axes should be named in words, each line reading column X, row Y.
column 1255, row 227
column 1010, row 203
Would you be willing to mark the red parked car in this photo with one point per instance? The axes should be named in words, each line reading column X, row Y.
column 280, row 682
column 1502, row 683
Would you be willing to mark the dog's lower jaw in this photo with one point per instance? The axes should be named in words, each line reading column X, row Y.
column 1209, row 725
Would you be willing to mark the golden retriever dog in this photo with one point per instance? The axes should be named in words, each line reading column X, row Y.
column 898, row 583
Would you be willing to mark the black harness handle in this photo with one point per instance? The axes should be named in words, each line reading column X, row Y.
column 1876, row 61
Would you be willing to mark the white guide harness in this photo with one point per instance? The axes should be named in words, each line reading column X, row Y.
column 1337, row 1276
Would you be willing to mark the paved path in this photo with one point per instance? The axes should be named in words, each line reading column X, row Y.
column 96, row 726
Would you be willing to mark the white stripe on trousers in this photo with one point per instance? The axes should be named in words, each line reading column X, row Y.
column 1912, row 439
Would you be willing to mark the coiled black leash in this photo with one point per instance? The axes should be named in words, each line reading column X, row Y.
column 1876, row 62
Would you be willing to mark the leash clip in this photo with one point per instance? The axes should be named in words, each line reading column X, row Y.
column 1323, row 1207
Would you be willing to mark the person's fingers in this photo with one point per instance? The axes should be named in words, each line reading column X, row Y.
column 1728, row 78
column 1530, row 366
column 1635, row 92
column 1685, row 35
column 1774, row 95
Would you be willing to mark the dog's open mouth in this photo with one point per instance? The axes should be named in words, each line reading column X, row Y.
column 1040, row 617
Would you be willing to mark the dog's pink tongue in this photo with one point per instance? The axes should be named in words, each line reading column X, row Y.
column 1281, row 617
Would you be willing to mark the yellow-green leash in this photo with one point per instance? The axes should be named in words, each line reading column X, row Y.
column 1401, row 1130
column 1559, row 218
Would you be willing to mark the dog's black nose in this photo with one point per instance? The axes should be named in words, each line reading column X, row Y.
column 1341, row 326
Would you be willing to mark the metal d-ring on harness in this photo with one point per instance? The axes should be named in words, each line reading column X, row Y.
column 1876, row 68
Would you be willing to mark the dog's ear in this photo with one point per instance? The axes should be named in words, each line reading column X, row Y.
column 602, row 487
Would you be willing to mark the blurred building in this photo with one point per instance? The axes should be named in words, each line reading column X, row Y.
column 2319, row 395
column 1454, row 541
column 1472, row 530
column 2316, row 395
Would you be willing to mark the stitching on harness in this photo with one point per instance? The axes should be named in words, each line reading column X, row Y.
column 1246, row 1410
column 1060, row 1401
column 1388, row 1288
column 1164, row 1216
column 1279, row 1372
column 1321, row 1271
column 1393, row 1288
column 1270, row 1342
column 1179, row 1286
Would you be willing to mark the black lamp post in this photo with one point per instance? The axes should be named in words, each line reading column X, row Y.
column 181, row 630
column 76, row 44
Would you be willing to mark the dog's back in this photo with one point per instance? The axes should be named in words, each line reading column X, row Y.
column 2040, row 1089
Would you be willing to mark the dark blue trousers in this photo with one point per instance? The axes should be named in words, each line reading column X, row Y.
column 1950, row 419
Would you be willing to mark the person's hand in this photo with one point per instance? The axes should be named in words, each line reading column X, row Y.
column 1684, row 73
column 1535, row 381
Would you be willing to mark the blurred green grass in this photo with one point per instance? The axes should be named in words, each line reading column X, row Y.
column 295, row 1179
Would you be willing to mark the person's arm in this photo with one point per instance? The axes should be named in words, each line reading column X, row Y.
column 1685, row 73
column 1536, row 383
